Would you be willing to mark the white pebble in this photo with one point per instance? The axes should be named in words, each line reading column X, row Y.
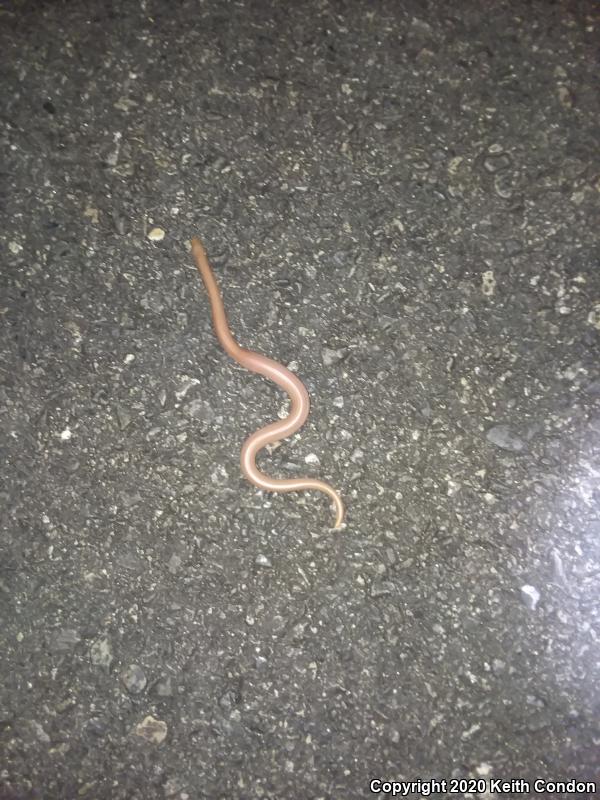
column 156, row 235
column 488, row 283
column 531, row 596
column 594, row 316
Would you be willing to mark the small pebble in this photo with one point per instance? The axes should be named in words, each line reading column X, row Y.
column 331, row 357
column 152, row 730
column 230, row 698
column 468, row 733
column 496, row 163
column 503, row 186
column 565, row 97
column 488, row 283
column 156, row 235
column 174, row 563
column 200, row 409
column 503, row 437
column 594, row 316
column 381, row 588
column 92, row 214
column 530, row 596
column 101, row 654
column 40, row 732
column 559, row 570
column 134, row 678
column 123, row 417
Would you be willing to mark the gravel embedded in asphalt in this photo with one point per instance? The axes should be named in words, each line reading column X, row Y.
column 400, row 200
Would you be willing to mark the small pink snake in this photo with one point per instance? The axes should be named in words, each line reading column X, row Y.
column 282, row 377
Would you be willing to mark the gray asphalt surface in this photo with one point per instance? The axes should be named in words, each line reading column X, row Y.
column 400, row 199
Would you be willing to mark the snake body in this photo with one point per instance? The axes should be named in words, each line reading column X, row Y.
column 255, row 362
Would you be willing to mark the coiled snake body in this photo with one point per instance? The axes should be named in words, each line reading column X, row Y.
column 255, row 362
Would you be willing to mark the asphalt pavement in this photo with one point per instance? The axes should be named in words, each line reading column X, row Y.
column 401, row 203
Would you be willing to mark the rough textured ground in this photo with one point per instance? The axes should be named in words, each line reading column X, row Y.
column 402, row 199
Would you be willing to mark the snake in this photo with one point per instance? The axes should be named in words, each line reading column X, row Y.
column 286, row 380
